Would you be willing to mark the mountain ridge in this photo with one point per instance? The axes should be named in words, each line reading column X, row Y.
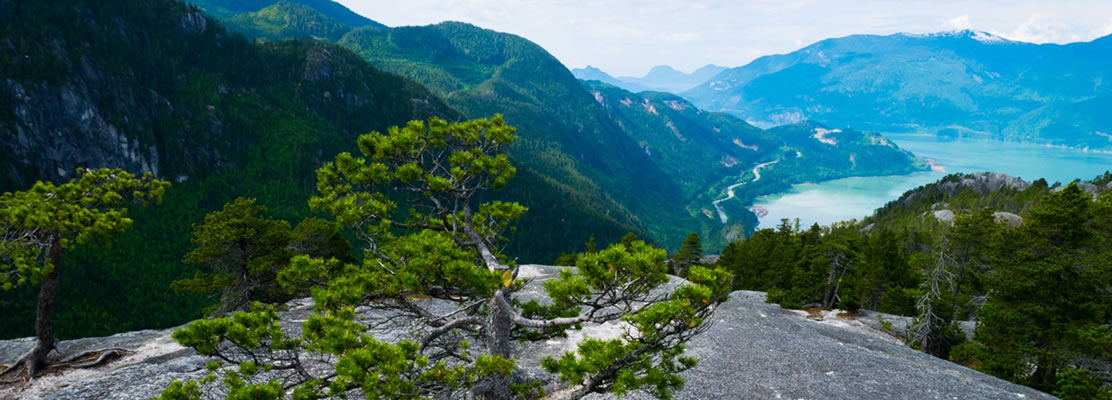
column 951, row 83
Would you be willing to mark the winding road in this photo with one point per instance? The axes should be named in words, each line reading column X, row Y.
column 730, row 190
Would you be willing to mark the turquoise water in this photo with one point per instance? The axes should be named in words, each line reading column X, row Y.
column 848, row 198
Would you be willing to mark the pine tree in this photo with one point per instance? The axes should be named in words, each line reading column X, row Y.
column 1046, row 306
column 242, row 251
column 689, row 254
column 38, row 225
column 628, row 239
column 436, row 263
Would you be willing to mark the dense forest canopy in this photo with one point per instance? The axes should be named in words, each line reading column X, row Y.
column 1030, row 263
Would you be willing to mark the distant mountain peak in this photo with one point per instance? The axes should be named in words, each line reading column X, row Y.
column 662, row 68
column 980, row 36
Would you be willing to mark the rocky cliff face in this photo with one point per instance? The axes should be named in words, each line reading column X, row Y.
column 57, row 127
column 94, row 115
column 160, row 88
column 754, row 351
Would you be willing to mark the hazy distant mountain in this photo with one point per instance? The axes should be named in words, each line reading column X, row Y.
column 952, row 83
column 661, row 78
column 668, row 79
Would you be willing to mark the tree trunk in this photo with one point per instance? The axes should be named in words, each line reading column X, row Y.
column 44, row 326
column 1045, row 376
column 500, row 343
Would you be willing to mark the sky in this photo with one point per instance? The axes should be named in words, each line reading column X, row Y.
column 626, row 38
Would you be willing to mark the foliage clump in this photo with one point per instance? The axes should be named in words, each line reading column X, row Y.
column 433, row 273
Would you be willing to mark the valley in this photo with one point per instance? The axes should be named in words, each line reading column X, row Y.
column 730, row 189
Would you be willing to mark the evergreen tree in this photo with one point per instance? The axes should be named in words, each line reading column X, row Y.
column 437, row 265
column 689, row 254
column 629, row 238
column 810, row 271
column 38, row 225
column 242, row 251
column 883, row 275
column 934, row 331
column 1046, row 306
column 318, row 238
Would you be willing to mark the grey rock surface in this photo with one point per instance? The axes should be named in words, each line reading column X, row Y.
column 945, row 216
column 1012, row 220
column 753, row 351
column 986, row 182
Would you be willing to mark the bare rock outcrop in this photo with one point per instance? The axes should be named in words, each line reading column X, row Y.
column 986, row 182
column 754, row 350
column 1012, row 220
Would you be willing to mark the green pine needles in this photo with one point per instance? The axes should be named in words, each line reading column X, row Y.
column 38, row 225
column 430, row 311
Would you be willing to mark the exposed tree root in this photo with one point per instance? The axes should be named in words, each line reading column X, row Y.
column 86, row 359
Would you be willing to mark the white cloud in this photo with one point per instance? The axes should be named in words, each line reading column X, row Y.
column 683, row 37
column 1107, row 28
column 959, row 23
column 1040, row 28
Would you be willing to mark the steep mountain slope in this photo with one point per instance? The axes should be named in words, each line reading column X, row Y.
column 328, row 8
column 566, row 139
column 718, row 160
column 564, row 133
column 219, row 116
column 693, row 147
column 954, row 83
column 77, row 94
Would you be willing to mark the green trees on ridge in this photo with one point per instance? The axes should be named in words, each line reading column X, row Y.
column 434, row 260
column 1038, row 292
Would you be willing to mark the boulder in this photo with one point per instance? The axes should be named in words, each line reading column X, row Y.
column 1012, row 220
column 709, row 259
column 1091, row 189
column 945, row 216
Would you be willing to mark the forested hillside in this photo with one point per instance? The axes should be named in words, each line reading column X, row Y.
column 566, row 138
column 710, row 154
column 218, row 115
column 614, row 158
column 1028, row 261
column 221, row 117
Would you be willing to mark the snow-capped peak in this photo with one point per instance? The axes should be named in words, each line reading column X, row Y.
column 980, row 36
column 985, row 37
